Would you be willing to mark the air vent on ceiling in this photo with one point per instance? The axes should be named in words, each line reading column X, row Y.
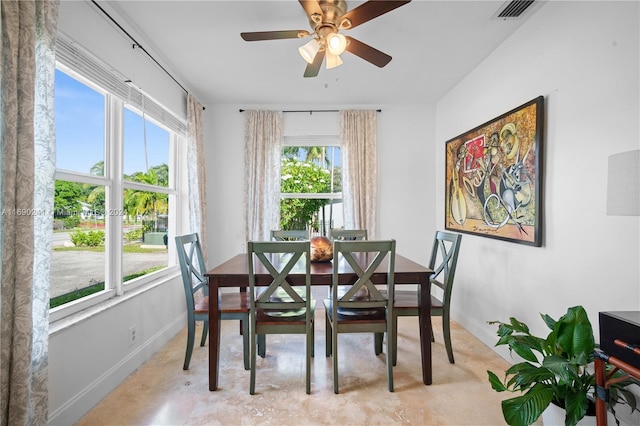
column 513, row 9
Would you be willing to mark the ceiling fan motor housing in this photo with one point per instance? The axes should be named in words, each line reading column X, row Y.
column 332, row 10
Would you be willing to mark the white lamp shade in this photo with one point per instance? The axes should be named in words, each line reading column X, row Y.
column 623, row 184
column 336, row 44
column 309, row 50
column 333, row 60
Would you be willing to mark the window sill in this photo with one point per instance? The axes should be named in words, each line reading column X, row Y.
column 64, row 317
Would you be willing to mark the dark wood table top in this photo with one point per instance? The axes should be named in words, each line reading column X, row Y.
column 235, row 272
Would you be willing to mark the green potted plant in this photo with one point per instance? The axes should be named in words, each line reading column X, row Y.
column 555, row 369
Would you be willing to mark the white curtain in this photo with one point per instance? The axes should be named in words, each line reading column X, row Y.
column 197, row 176
column 359, row 169
column 27, row 177
column 262, row 150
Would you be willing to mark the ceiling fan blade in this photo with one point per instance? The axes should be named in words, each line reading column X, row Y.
column 369, row 10
column 311, row 7
column 367, row 52
column 314, row 67
column 273, row 35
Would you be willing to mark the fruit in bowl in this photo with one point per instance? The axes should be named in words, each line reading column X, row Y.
column 321, row 249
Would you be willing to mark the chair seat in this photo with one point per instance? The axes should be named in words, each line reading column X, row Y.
column 409, row 300
column 233, row 302
column 366, row 315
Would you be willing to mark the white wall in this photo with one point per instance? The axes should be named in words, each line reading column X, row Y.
column 583, row 58
column 405, row 174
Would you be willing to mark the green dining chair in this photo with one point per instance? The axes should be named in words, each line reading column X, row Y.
column 276, row 306
column 347, row 234
column 360, row 307
column 233, row 306
column 444, row 258
column 289, row 235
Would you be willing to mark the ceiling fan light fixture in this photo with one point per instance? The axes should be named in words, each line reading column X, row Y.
column 336, row 43
column 333, row 60
column 309, row 50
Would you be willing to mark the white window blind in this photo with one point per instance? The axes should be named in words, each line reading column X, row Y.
column 70, row 54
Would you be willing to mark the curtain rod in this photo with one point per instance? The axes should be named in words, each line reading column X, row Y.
column 311, row 111
column 138, row 45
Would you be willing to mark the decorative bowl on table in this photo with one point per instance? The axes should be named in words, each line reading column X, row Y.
column 321, row 249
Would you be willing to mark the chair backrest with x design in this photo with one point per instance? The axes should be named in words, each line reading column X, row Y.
column 276, row 305
column 446, row 247
column 289, row 235
column 192, row 267
column 348, row 234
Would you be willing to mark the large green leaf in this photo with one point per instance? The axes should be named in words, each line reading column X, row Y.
column 575, row 404
column 575, row 334
column 496, row 383
column 524, row 375
column 526, row 409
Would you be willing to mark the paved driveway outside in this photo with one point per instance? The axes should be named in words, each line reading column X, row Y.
column 67, row 266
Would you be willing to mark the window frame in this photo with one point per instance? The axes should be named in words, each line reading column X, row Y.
column 329, row 140
column 114, row 183
column 313, row 140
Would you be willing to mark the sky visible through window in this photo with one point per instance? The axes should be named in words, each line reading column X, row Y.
column 80, row 121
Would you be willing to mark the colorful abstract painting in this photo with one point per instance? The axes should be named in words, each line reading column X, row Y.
column 494, row 177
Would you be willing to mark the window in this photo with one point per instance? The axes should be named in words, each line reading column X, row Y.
column 114, row 191
column 311, row 184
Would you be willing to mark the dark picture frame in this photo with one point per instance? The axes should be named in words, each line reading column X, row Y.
column 493, row 177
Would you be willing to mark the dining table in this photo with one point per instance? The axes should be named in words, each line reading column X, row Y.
column 235, row 273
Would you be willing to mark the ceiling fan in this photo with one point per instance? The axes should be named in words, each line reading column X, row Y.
column 327, row 18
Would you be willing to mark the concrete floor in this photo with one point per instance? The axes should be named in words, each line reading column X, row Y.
column 161, row 393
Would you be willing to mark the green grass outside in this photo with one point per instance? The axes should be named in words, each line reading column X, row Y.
column 95, row 288
column 127, row 248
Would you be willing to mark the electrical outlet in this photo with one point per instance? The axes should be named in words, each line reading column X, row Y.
column 132, row 335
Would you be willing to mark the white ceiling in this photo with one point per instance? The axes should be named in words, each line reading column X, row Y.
column 434, row 44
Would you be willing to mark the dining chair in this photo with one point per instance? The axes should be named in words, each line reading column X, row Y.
column 289, row 235
column 233, row 306
column 347, row 234
column 277, row 307
column 360, row 307
column 444, row 258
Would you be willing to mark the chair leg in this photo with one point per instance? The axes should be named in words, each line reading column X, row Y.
column 446, row 328
column 433, row 336
column 310, row 340
column 252, row 377
column 191, row 335
column 378, row 339
column 262, row 345
column 334, row 344
column 245, row 343
column 390, row 350
column 313, row 338
column 328, row 337
column 394, row 354
column 205, row 330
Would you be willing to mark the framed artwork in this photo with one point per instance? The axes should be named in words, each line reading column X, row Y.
column 494, row 177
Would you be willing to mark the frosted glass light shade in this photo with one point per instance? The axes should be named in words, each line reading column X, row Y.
column 309, row 50
column 623, row 184
column 336, row 44
column 333, row 60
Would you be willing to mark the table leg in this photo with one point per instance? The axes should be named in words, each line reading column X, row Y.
column 424, row 293
column 214, row 333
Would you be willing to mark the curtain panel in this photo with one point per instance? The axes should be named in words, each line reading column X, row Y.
column 262, row 150
column 359, row 169
column 27, row 176
column 197, row 177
